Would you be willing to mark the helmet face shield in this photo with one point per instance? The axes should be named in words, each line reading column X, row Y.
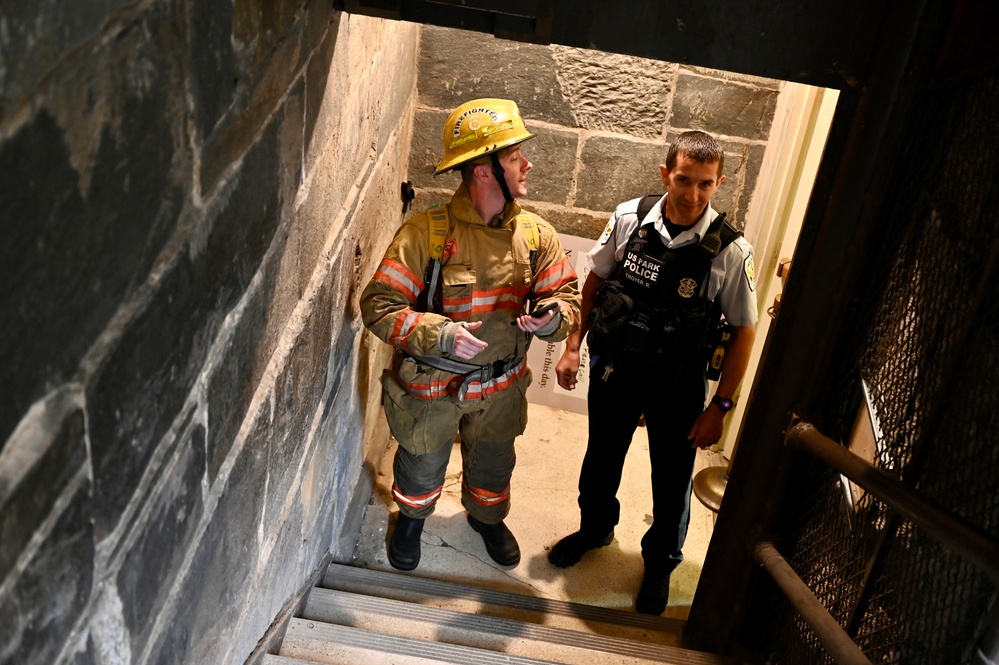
column 479, row 128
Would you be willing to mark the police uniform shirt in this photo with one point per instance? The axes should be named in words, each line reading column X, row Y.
column 732, row 277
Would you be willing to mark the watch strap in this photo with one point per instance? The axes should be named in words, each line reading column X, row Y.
column 723, row 403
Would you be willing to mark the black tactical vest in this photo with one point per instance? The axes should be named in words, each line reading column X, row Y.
column 654, row 304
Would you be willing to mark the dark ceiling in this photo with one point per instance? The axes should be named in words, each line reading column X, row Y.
column 827, row 44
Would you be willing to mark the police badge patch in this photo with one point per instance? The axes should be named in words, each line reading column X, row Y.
column 687, row 288
column 750, row 270
column 607, row 231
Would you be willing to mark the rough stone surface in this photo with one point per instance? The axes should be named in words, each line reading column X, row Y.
column 45, row 601
column 91, row 181
column 426, row 151
column 35, row 37
column 188, row 251
column 721, row 107
column 617, row 169
column 509, row 70
column 36, row 468
column 571, row 221
column 145, row 381
column 151, row 564
column 211, row 595
column 615, row 93
column 553, row 153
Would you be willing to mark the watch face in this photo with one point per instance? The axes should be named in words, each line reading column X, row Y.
column 723, row 404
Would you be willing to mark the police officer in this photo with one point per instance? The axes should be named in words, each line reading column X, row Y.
column 649, row 306
column 454, row 295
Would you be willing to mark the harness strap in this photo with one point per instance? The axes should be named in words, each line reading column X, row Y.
column 439, row 224
column 475, row 372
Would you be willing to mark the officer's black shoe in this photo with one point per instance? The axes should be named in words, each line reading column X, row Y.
column 404, row 549
column 500, row 543
column 653, row 594
column 568, row 551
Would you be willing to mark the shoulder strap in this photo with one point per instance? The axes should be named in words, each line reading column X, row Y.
column 438, row 218
column 720, row 235
column 530, row 230
column 438, row 223
column 645, row 205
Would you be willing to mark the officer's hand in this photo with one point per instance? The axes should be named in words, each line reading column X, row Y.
column 467, row 345
column 567, row 369
column 530, row 324
column 707, row 429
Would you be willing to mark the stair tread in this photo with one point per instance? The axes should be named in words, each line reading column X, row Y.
column 350, row 578
column 271, row 659
column 512, row 636
column 322, row 641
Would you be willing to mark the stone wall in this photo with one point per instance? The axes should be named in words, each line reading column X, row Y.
column 603, row 122
column 192, row 196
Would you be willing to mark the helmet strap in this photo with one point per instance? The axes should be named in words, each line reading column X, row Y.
column 500, row 176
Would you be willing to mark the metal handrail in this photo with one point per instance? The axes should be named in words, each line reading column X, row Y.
column 830, row 634
column 974, row 544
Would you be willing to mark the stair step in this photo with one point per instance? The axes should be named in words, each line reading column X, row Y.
column 329, row 644
column 533, row 609
column 497, row 634
column 271, row 659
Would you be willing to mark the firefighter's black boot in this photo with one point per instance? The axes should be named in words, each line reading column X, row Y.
column 568, row 551
column 500, row 543
column 404, row 549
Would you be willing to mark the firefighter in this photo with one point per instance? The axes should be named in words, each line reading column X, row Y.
column 657, row 283
column 459, row 293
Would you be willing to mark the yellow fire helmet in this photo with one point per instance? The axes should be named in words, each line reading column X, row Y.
column 479, row 128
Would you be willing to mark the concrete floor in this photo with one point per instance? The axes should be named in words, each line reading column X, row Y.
column 543, row 509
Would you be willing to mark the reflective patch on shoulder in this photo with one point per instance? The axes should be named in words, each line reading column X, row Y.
column 605, row 236
column 750, row 269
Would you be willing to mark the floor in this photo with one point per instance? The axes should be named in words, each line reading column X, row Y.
column 543, row 510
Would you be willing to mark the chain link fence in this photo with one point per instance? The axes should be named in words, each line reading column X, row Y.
column 925, row 373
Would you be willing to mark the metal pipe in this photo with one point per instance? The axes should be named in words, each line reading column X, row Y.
column 830, row 634
column 974, row 544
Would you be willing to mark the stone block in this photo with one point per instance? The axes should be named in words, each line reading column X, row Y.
column 221, row 577
column 317, row 77
column 258, row 95
column 426, row 151
column 234, row 378
column 258, row 26
column 213, row 69
column 40, row 608
column 151, row 564
column 451, row 75
column 279, row 581
column 142, row 384
column 41, row 34
column 723, row 107
column 553, row 153
column 729, row 196
column 615, row 93
column 571, row 221
column 90, row 228
column 615, row 170
column 40, row 462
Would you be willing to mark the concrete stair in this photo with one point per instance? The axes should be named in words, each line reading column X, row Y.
column 363, row 616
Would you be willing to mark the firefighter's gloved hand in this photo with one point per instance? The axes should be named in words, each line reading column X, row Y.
column 457, row 340
column 551, row 326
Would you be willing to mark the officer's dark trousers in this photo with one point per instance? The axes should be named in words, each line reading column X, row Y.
column 670, row 399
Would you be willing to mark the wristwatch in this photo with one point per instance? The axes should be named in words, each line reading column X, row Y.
column 723, row 403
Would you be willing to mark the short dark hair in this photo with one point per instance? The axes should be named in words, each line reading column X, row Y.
column 698, row 146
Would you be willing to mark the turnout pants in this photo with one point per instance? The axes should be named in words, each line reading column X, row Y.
column 425, row 430
column 670, row 399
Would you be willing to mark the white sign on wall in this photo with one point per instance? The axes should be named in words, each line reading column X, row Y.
column 544, row 356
